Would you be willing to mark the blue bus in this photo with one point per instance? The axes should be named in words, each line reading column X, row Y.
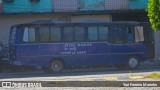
column 54, row 45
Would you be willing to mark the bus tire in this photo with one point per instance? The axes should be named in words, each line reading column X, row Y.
column 133, row 62
column 56, row 65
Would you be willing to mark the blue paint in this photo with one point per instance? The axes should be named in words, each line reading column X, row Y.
column 21, row 6
column 74, row 53
column 138, row 4
column 86, row 5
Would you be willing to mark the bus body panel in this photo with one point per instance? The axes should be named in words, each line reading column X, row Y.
column 118, row 53
column 83, row 53
column 73, row 54
column 121, row 52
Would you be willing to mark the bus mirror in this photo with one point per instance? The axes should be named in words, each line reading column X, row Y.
column 139, row 34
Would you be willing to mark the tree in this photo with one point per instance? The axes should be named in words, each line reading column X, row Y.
column 153, row 10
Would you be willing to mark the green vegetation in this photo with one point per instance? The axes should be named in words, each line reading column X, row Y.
column 153, row 10
column 154, row 75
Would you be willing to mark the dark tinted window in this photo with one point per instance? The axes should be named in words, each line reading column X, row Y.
column 55, row 34
column 44, row 34
column 119, row 33
column 92, row 34
column 32, row 34
column 79, row 33
column 68, row 34
column 130, row 35
column 103, row 33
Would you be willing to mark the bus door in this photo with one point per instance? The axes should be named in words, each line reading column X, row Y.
column 118, row 50
column 28, row 48
column 12, row 44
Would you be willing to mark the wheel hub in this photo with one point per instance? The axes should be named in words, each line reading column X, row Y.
column 133, row 62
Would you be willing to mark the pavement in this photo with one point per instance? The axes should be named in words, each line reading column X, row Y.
column 102, row 74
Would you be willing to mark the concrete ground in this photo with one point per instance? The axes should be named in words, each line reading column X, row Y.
column 100, row 74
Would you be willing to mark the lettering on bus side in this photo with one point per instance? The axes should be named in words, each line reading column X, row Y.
column 71, row 48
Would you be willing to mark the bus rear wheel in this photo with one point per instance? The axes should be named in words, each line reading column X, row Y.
column 133, row 62
column 56, row 66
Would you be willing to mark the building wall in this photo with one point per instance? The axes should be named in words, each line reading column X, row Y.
column 21, row 6
column 42, row 6
column 91, row 17
column 157, row 45
column 138, row 4
column 7, row 21
column 85, row 5
column 65, row 5
column 116, row 4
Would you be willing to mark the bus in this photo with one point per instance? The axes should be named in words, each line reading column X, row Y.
column 54, row 45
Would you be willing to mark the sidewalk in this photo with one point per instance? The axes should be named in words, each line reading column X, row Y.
column 150, row 63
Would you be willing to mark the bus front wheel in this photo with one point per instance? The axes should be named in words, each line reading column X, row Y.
column 56, row 66
column 133, row 62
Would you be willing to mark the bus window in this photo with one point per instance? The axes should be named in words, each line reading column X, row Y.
column 118, row 34
column 68, row 34
column 103, row 33
column 79, row 33
column 55, row 34
column 44, row 34
column 139, row 34
column 25, row 35
column 29, row 35
column 32, row 35
column 130, row 36
column 92, row 34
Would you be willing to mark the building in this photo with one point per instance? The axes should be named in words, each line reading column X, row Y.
column 20, row 11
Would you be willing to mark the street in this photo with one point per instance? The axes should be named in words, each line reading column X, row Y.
column 98, row 74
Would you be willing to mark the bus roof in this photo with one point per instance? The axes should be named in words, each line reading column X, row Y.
column 56, row 22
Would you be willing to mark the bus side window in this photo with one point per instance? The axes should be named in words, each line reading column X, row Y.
column 44, row 34
column 130, row 36
column 103, row 33
column 79, row 33
column 139, row 34
column 32, row 34
column 68, row 34
column 55, row 34
column 29, row 35
column 92, row 34
column 25, row 35
column 118, row 34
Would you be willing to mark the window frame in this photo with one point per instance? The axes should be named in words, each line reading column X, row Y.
column 84, row 33
column 131, row 27
column 38, row 33
column 108, row 39
column 88, row 34
column 61, row 37
column 36, row 36
column 124, row 33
